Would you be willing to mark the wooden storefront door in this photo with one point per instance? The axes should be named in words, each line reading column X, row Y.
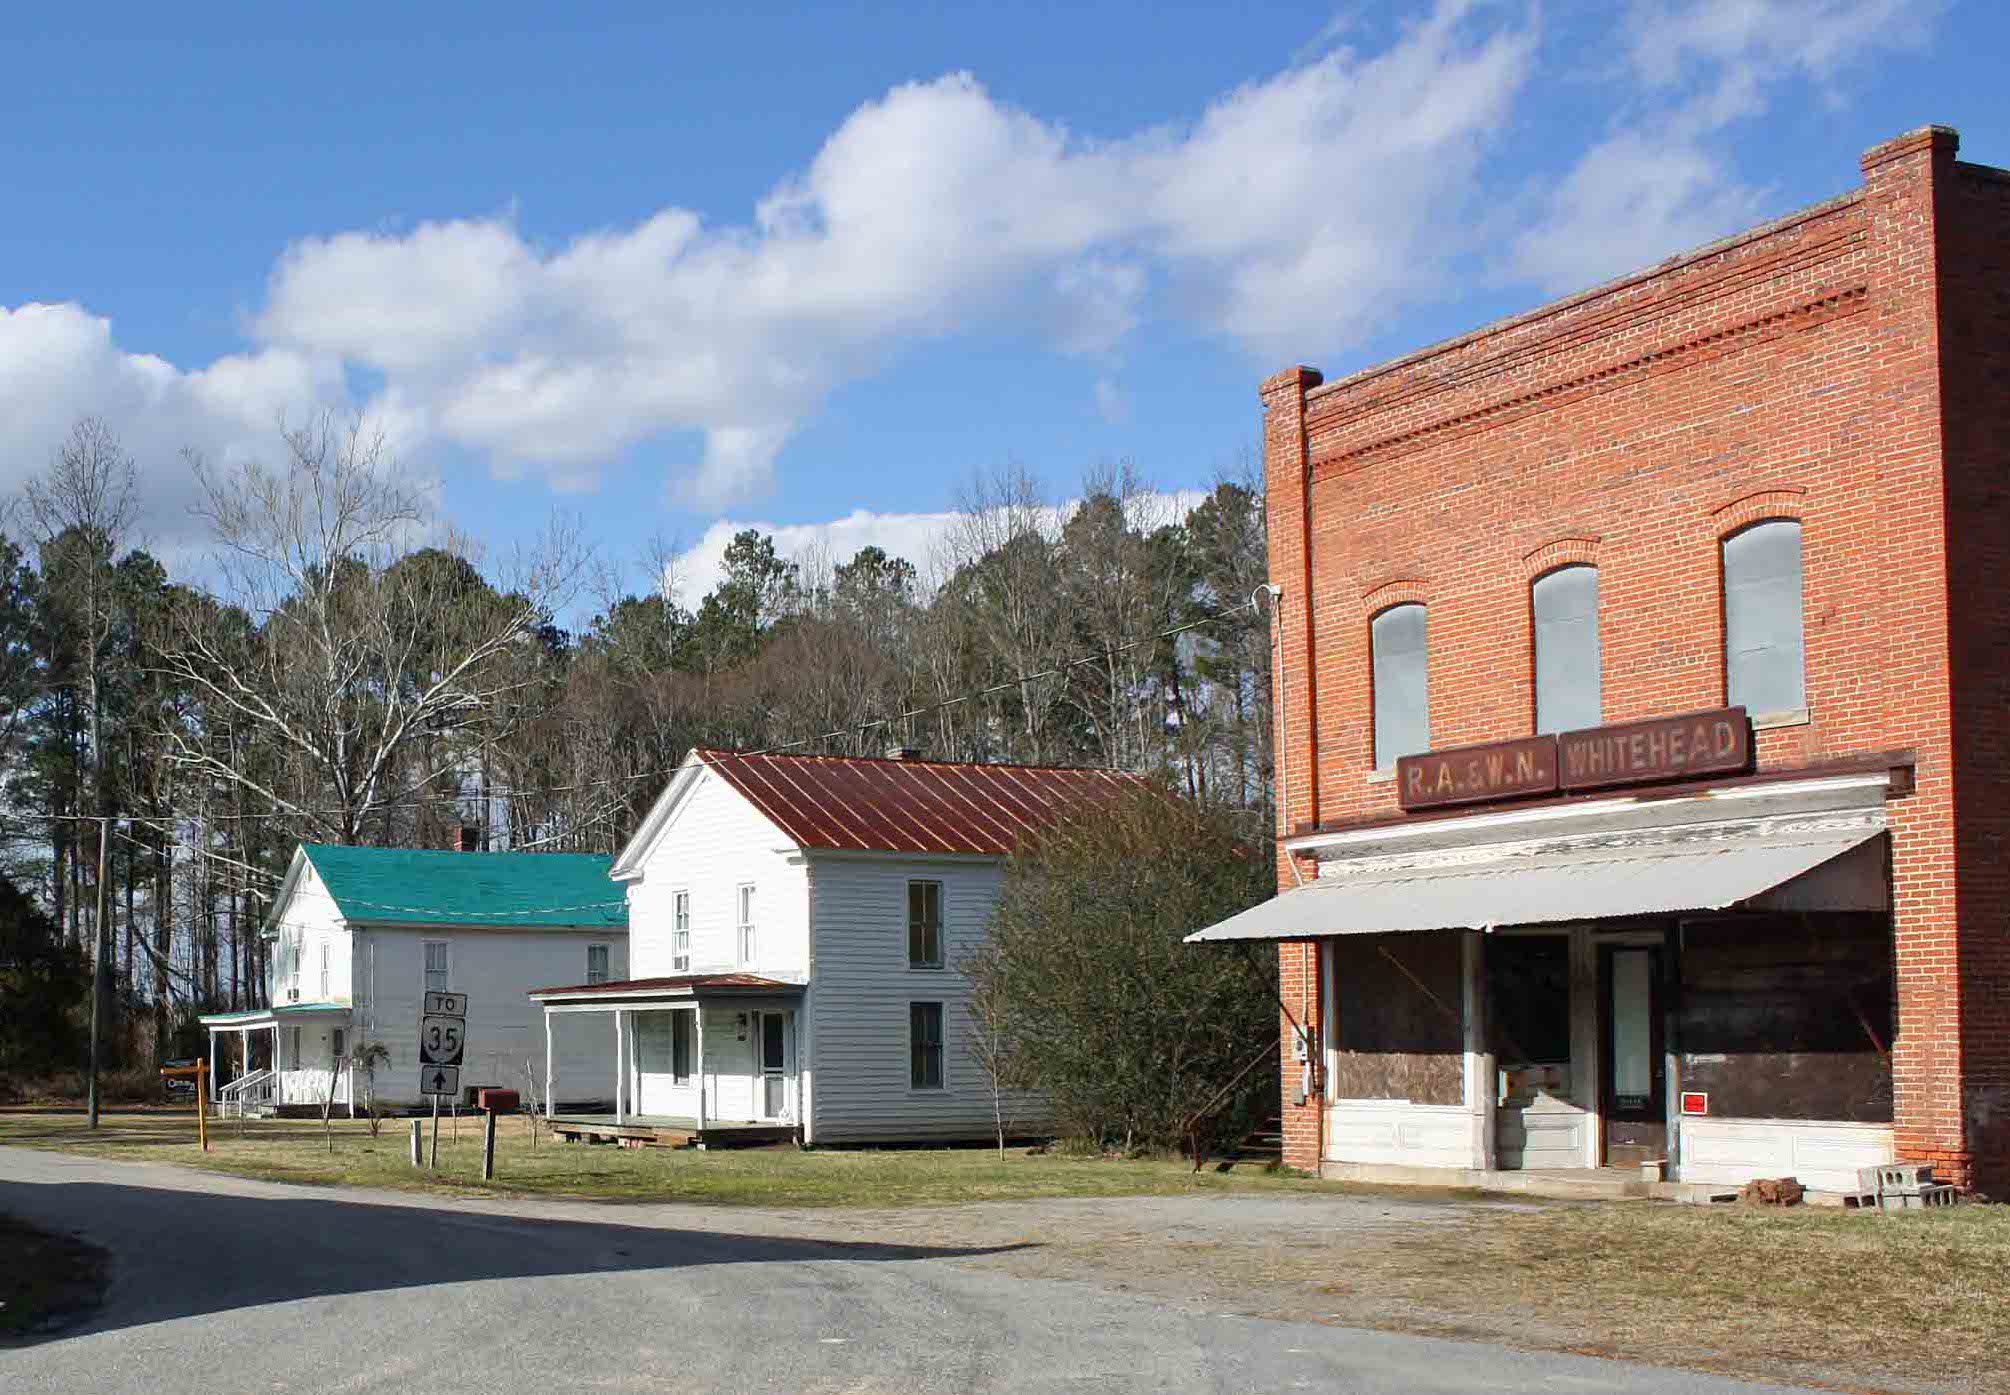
column 1634, row 1082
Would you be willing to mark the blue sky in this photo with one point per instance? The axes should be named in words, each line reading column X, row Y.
column 674, row 272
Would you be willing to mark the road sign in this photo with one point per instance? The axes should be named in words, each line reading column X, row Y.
column 439, row 1080
column 442, row 1040
column 446, row 1005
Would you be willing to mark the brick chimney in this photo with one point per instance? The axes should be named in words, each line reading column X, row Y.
column 903, row 753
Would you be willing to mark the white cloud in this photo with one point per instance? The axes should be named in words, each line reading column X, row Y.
column 1292, row 217
column 1662, row 180
column 932, row 210
column 59, row 363
column 917, row 537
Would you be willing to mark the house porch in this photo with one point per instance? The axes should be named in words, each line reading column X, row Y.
column 700, row 1059
column 280, row 1059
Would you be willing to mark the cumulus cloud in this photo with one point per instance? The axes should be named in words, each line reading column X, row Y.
column 918, row 537
column 59, row 363
column 1292, row 217
column 1661, row 179
column 932, row 210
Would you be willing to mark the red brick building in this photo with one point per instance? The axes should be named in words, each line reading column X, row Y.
column 1767, row 482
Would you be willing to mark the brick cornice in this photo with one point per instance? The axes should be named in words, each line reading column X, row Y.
column 1668, row 357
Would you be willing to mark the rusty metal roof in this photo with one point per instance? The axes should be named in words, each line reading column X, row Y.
column 691, row 983
column 914, row 806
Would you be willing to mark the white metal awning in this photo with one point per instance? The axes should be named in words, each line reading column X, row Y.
column 1550, row 885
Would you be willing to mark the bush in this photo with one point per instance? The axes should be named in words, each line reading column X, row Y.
column 1127, row 1029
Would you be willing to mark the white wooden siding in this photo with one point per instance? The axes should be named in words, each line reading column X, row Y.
column 308, row 922
column 495, row 968
column 713, row 843
column 858, row 999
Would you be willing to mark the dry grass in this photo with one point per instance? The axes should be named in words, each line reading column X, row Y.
column 292, row 1150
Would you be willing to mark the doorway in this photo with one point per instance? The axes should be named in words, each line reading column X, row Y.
column 774, row 1064
column 1633, row 1080
column 1538, row 1123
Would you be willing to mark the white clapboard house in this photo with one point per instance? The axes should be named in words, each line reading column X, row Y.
column 797, row 929
column 359, row 935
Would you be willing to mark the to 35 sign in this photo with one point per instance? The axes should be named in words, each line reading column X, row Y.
column 442, row 1040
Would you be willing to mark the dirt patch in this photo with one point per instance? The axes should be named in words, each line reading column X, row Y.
column 1846, row 1301
column 48, row 1282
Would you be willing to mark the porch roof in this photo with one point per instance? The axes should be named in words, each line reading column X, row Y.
column 1551, row 885
column 619, row 991
column 253, row 1017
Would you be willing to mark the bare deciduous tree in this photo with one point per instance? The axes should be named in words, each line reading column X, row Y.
column 363, row 657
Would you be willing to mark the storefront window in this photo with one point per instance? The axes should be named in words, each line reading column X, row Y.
column 1399, row 653
column 1565, row 605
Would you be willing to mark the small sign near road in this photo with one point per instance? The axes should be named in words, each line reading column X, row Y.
column 446, row 1005
column 442, row 1040
column 439, row 1080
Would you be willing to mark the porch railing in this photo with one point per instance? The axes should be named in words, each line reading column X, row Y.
column 258, row 1090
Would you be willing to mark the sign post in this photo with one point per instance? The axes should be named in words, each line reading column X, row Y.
column 443, row 1039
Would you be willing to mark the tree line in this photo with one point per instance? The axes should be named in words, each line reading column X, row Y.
column 337, row 664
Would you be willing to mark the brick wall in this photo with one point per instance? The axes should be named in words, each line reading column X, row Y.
column 1792, row 371
column 1974, row 260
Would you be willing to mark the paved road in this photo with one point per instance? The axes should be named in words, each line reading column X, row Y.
column 222, row 1285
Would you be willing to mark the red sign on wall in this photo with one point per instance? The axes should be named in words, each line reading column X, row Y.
column 1695, row 1102
column 1470, row 774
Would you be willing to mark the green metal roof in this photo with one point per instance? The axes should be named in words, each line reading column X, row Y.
column 412, row 886
column 216, row 1019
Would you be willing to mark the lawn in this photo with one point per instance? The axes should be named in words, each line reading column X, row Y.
column 291, row 1150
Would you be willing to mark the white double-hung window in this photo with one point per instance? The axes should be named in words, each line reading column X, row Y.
column 746, row 922
column 436, row 966
column 596, row 963
column 680, row 932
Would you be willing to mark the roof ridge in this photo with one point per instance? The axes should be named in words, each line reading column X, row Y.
column 920, row 760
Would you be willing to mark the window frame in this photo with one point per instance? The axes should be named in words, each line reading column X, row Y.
column 1376, row 687
column 680, row 930
column 1757, row 711
column 925, row 963
column 447, row 965
column 746, row 935
column 1536, row 723
column 606, row 963
column 940, row 1045
column 338, row 1044
column 327, row 953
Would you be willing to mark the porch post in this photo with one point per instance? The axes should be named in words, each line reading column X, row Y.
column 547, row 1062
column 278, row 1067
column 1482, row 1093
column 698, row 1013
column 212, row 1065
column 620, row 1067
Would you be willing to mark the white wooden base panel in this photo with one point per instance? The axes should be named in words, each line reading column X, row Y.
column 1396, row 1131
column 1823, row 1156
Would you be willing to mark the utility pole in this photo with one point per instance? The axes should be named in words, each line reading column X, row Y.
column 98, row 966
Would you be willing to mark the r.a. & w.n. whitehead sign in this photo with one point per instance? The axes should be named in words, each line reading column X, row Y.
column 1662, row 748
column 1627, row 753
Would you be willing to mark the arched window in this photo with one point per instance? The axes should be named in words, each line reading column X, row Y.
column 1764, row 652
column 1565, row 605
column 1398, row 652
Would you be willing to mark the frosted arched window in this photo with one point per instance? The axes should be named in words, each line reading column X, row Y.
column 1398, row 649
column 1764, row 651
column 1565, row 605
